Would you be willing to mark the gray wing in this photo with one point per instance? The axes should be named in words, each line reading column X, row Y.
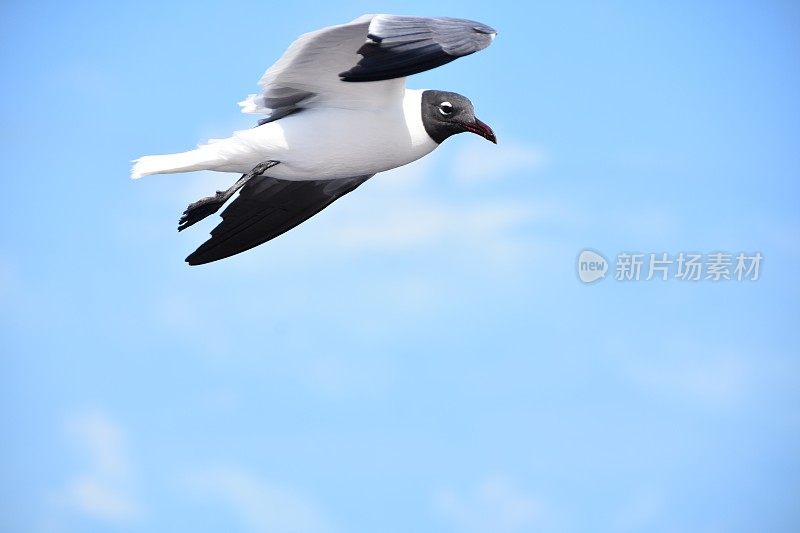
column 372, row 48
column 400, row 46
column 267, row 207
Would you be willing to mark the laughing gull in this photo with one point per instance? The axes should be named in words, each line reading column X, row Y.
column 337, row 112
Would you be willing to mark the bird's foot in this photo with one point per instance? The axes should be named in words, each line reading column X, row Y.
column 201, row 209
column 261, row 168
column 211, row 204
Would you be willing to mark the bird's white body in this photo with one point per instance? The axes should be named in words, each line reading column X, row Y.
column 338, row 143
column 322, row 125
column 336, row 113
column 318, row 143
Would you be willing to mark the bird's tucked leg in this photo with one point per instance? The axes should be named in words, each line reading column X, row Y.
column 211, row 204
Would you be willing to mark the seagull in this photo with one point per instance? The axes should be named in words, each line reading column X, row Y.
column 337, row 112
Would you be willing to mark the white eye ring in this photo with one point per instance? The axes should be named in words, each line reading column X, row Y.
column 445, row 108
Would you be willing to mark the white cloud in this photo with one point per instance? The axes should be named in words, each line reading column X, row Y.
column 337, row 377
column 95, row 497
column 262, row 507
column 104, row 489
column 403, row 209
column 388, row 219
column 103, row 440
column 712, row 380
column 642, row 512
column 495, row 506
column 486, row 162
column 418, row 223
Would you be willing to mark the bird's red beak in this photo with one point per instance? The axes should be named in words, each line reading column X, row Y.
column 481, row 128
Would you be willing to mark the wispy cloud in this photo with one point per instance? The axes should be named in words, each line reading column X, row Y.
column 261, row 506
column 337, row 377
column 494, row 506
column 713, row 380
column 420, row 223
column 486, row 162
column 103, row 490
column 403, row 210
column 642, row 511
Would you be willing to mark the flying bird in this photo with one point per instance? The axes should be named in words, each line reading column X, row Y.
column 336, row 113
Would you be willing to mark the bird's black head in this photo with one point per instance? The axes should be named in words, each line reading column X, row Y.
column 445, row 114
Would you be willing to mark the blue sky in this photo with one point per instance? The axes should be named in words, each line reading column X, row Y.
column 421, row 356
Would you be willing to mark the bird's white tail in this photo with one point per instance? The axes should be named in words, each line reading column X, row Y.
column 199, row 159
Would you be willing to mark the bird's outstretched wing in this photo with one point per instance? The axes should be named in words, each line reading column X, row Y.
column 319, row 67
column 401, row 46
column 267, row 207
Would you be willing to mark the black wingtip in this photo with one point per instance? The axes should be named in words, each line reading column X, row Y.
column 196, row 258
column 367, row 70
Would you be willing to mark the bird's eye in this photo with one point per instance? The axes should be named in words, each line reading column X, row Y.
column 445, row 108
